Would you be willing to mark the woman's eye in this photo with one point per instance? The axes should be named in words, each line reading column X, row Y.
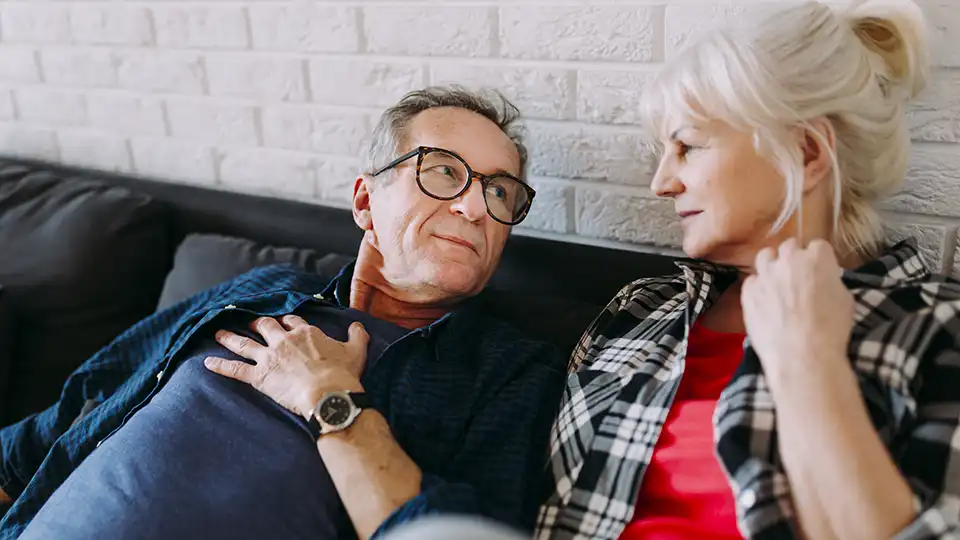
column 684, row 149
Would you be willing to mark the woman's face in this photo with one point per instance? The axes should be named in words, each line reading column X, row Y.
column 726, row 195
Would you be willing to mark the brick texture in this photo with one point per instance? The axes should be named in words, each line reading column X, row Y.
column 209, row 122
column 281, row 96
column 125, row 114
column 213, row 27
column 578, row 33
column 305, row 27
column 161, row 72
column 272, row 171
column 441, row 31
column 90, row 68
column 23, row 141
column 163, row 158
column 263, row 78
column 95, row 150
column 18, row 65
column 111, row 25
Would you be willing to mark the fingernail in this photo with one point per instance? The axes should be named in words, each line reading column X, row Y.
column 208, row 361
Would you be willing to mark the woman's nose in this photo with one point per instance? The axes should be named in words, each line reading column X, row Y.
column 665, row 182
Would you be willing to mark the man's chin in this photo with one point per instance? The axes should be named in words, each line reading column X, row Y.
column 457, row 279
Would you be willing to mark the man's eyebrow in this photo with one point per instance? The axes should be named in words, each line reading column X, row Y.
column 504, row 171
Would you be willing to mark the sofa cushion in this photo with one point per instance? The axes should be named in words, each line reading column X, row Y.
column 205, row 260
column 81, row 261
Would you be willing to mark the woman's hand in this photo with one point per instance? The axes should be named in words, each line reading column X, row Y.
column 298, row 364
column 796, row 309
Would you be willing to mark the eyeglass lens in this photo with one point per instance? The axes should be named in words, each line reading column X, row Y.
column 443, row 175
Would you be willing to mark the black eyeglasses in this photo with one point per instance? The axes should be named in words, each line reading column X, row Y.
column 445, row 176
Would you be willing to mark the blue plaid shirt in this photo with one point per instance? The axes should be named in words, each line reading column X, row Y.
column 469, row 398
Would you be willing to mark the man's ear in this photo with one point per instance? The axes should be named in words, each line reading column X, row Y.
column 819, row 144
column 361, row 203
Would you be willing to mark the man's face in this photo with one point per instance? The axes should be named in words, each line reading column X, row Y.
column 448, row 249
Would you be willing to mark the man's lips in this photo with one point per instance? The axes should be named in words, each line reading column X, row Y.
column 460, row 241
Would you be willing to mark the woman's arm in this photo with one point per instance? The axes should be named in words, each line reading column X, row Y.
column 842, row 478
column 799, row 317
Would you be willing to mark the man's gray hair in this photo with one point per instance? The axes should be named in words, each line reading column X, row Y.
column 390, row 134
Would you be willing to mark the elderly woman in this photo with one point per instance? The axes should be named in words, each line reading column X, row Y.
column 799, row 378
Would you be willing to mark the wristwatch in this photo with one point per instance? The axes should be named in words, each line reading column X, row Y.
column 336, row 411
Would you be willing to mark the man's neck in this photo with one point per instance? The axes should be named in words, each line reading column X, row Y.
column 371, row 293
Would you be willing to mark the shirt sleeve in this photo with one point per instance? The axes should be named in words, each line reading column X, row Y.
column 25, row 444
column 928, row 453
column 499, row 472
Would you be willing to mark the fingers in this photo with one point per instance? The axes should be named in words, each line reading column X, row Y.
column 269, row 328
column 241, row 346
column 233, row 369
column 788, row 246
column 292, row 322
column 764, row 259
column 357, row 336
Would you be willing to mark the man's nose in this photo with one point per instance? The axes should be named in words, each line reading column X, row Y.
column 471, row 204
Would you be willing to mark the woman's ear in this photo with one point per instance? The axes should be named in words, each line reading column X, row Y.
column 361, row 203
column 819, row 143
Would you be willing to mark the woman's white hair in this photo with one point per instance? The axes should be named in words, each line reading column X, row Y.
column 770, row 75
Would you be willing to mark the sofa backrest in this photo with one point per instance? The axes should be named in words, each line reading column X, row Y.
column 84, row 255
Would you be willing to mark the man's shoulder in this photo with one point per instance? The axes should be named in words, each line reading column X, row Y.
column 520, row 335
column 281, row 276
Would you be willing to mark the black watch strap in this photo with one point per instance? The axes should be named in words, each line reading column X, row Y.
column 360, row 399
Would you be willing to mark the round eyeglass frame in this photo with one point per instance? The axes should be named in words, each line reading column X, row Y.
column 422, row 151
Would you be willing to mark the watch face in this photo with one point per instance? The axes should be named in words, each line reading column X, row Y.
column 335, row 410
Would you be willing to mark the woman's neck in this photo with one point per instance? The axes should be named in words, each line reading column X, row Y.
column 726, row 315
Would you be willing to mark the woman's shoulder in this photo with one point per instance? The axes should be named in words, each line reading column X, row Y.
column 661, row 287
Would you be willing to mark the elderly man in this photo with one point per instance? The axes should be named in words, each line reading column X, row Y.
column 284, row 405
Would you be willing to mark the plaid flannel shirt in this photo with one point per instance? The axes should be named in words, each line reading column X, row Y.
column 628, row 368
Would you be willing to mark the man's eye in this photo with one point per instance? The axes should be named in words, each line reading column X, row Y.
column 445, row 170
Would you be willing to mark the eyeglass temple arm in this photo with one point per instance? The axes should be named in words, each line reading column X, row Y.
column 397, row 161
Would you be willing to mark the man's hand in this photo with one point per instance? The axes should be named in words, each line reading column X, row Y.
column 298, row 364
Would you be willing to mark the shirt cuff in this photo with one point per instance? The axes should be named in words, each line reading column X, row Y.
column 931, row 522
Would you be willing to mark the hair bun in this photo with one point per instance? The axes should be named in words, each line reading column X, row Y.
column 895, row 30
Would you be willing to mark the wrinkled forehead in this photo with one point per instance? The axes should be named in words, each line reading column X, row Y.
column 479, row 141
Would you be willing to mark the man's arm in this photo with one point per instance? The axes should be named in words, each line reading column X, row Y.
column 25, row 444
column 373, row 475
column 497, row 472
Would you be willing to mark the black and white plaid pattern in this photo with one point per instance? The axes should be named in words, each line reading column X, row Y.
column 628, row 367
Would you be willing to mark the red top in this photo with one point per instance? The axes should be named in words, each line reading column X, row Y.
column 685, row 494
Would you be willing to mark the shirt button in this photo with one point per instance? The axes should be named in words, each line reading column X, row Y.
column 231, row 306
column 748, row 498
column 319, row 296
column 160, row 375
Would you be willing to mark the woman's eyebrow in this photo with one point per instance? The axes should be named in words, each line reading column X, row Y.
column 676, row 132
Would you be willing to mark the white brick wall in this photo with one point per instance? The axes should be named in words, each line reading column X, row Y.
column 279, row 96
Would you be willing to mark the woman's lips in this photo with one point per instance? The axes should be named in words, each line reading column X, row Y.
column 684, row 215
